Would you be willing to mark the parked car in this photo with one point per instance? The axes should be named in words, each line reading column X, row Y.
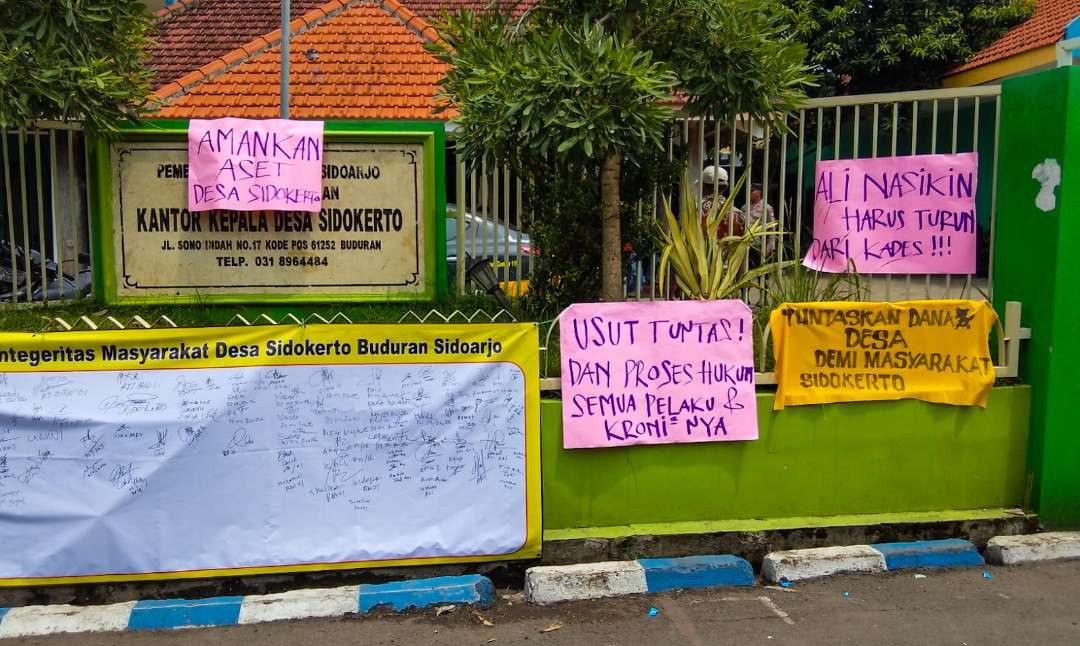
column 487, row 239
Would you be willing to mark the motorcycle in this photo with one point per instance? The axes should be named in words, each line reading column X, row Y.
column 52, row 284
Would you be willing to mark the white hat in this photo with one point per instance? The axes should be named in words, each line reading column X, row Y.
column 714, row 175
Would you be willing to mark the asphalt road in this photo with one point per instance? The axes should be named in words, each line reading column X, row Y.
column 1031, row 604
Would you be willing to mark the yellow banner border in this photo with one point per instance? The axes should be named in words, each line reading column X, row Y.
column 525, row 358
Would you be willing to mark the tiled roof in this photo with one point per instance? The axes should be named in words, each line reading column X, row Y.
column 1045, row 27
column 431, row 9
column 371, row 64
column 191, row 33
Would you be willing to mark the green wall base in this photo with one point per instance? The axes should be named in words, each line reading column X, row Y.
column 809, row 462
column 773, row 524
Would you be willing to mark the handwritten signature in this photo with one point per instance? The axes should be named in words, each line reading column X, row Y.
column 120, row 474
column 189, row 434
column 92, row 443
column 158, row 447
column 187, row 386
column 240, row 439
column 48, row 384
column 135, row 402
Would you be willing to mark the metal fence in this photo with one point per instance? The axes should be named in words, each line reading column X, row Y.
column 44, row 230
column 484, row 221
column 487, row 200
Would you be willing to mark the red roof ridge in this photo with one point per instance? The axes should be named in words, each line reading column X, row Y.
column 410, row 19
column 176, row 7
column 1043, row 28
column 247, row 51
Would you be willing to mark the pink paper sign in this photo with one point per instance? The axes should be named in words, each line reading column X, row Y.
column 657, row 373
column 255, row 165
column 895, row 215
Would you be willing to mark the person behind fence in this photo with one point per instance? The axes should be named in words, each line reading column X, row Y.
column 714, row 182
column 759, row 212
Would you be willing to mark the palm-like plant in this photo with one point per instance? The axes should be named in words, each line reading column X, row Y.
column 706, row 265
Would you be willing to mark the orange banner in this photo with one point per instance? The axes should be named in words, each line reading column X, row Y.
column 936, row 351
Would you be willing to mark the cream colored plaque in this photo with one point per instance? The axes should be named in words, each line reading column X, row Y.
column 368, row 238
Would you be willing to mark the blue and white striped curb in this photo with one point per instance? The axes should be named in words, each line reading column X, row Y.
column 226, row 611
column 951, row 552
column 549, row 584
column 797, row 565
column 1030, row 548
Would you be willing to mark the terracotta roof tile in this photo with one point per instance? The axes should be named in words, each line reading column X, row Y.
column 370, row 66
column 191, row 33
column 1045, row 27
column 431, row 9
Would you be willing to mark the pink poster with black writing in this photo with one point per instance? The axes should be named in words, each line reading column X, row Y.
column 657, row 373
column 255, row 165
column 895, row 215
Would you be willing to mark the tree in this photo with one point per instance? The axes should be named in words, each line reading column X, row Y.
column 900, row 44
column 72, row 59
column 580, row 80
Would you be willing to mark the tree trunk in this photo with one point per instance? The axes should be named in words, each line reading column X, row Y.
column 611, row 238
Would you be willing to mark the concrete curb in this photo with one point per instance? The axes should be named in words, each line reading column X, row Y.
column 799, row 565
column 1051, row 546
column 26, row 621
column 553, row 583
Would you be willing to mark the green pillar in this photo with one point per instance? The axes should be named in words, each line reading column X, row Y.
column 1037, row 262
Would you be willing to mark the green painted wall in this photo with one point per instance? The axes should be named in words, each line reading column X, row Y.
column 1037, row 264
column 837, row 459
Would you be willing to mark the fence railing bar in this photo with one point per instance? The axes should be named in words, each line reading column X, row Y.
column 41, row 220
column 733, row 154
column 475, row 221
column 10, row 216
column 975, row 147
column 46, row 124
column 838, row 122
column 506, row 227
column 895, row 131
column 699, row 140
column 955, row 126
column 86, row 197
column 855, row 148
column 955, row 121
column 933, row 151
column 684, row 140
column 993, row 195
column 635, row 268
column 521, row 234
column 462, row 208
column 855, row 154
column 58, row 246
column 916, row 95
column 25, row 214
column 485, row 207
column 767, row 242
column 781, row 203
column 748, row 167
column 76, row 209
column 914, row 151
column 799, row 184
